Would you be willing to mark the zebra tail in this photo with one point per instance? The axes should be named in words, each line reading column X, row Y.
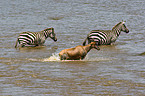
column 16, row 43
column 84, row 43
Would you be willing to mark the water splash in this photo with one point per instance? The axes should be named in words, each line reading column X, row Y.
column 54, row 57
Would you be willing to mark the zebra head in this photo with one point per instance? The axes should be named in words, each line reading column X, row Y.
column 123, row 27
column 49, row 32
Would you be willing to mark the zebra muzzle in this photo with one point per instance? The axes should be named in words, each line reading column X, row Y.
column 127, row 31
column 55, row 39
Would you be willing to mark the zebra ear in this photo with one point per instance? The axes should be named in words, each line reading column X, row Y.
column 123, row 22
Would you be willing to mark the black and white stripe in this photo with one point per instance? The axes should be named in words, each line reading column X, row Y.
column 106, row 37
column 35, row 38
column 97, row 36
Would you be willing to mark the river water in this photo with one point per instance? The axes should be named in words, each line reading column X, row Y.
column 115, row 70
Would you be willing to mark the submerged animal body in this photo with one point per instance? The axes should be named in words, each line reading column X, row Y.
column 35, row 38
column 106, row 37
column 77, row 53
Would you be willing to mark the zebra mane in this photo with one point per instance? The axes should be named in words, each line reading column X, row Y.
column 120, row 23
column 48, row 29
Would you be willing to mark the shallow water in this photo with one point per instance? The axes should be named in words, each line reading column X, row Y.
column 118, row 69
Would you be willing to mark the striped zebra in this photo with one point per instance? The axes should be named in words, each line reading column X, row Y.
column 106, row 37
column 35, row 38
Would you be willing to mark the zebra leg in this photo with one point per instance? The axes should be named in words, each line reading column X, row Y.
column 23, row 44
column 16, row 43
column 84, row 43
column 27, row 44
column 89, row 41
column 113, row 43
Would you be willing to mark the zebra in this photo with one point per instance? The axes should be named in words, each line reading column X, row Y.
column 106, row 37
column 35, row 38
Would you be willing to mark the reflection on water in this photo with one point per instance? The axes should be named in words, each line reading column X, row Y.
column 115, row 70
column 142, row 54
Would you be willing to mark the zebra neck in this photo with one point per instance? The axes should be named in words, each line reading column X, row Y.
column 46, row 34
column 117, row 31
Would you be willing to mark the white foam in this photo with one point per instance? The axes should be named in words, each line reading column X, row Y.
column 54, row 57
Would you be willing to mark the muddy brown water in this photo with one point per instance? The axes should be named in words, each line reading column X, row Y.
column 115, row 70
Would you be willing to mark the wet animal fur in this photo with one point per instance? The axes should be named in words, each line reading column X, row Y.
column 77, row 53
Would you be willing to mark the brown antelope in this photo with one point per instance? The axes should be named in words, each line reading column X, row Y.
column 77, row 53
